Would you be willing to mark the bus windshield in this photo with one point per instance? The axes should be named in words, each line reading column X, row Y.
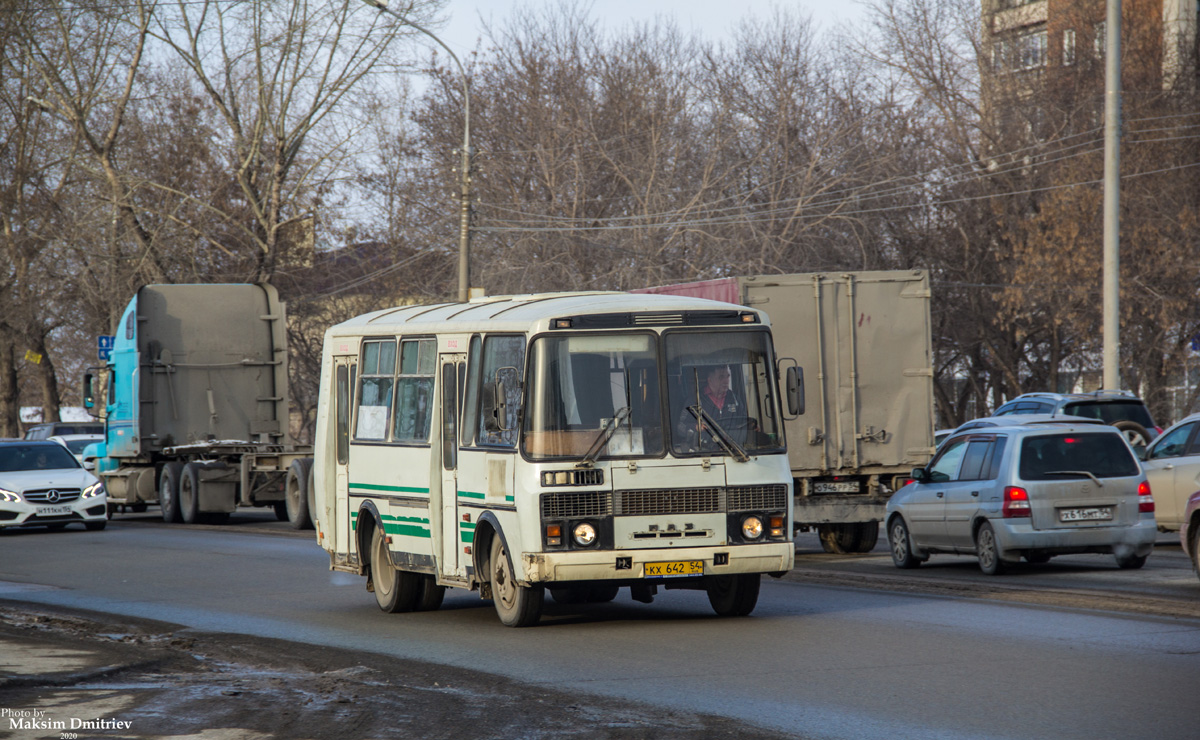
column 598, row 396
column 594, row 395
column 722, row 393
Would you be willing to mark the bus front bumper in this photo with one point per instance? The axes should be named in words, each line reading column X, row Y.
column 610, row 565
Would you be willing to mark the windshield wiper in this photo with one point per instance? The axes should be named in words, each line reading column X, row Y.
column 602, row 438
column 1075, row 472
column 717, row 432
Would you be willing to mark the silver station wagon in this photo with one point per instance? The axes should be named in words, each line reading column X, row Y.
column 1003, row 493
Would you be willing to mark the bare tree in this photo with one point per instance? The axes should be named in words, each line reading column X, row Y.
column 288, row 80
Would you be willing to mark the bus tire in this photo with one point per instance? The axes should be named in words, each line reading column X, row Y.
column 516, row 605
column 585, row 593
column 168, row 492
column 734, row 595
column 430, row 596
column 189, row 494
column 297, row 495
column 395, row 590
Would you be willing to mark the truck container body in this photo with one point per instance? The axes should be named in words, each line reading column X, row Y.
column 197, row 396
column 863, row 340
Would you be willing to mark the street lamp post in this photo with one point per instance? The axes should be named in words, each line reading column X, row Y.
column 464, row 168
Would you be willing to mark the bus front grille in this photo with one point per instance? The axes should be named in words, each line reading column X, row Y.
column 576, row 504
column 672, row 501
column 757, row 498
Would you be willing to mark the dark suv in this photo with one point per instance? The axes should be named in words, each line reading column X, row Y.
column 1121, row 409
column 58, row 428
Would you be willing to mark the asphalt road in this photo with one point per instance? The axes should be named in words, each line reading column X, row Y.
column 824, row 655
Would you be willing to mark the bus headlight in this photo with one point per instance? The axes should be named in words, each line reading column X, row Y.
column 584, row 534
column 752, row 527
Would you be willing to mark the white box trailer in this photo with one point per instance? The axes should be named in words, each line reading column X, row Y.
column 864, row 342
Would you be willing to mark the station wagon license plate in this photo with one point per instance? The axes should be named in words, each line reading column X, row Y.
column 674, row 569
column 53, row 510
column 835, row 487
column 1085, row 515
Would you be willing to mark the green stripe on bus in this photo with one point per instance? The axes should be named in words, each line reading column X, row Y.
column 472, row 494
column 466, row 532
column 409, row 526
column 390, row 489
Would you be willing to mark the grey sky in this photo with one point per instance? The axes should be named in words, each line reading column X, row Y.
column 711, row 18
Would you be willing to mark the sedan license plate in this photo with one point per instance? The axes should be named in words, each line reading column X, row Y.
column 1085, row 515
column 53, row 510
column 835, row 487
column 674, row 569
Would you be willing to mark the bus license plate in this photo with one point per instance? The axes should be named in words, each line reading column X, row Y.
column 53, row 510
column 674, row 569
column 1084, row 515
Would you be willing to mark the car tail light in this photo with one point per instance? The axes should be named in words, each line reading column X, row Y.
column 1016, row 503
column 1145, row 499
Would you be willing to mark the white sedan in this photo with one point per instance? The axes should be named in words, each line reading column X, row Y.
column 43, row 485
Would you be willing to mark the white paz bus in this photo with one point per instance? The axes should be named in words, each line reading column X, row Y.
column 564, row 442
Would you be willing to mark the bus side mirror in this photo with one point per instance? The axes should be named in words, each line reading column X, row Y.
column 495, row 407
column 795, row 390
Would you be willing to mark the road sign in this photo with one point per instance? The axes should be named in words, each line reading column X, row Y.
column 105, row 341
column 104, row 354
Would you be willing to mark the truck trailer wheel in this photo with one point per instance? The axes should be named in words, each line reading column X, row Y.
column 189, row 494
column 168, row 492
column 840, row 539
column 297, row 494
column 868, row 536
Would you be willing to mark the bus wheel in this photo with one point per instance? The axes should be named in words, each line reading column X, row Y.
column 734, row 596
column 280, row 510
column 517, row 605
column 570, row 594
column 602, row 594
column 431, row 595
column 395, row 590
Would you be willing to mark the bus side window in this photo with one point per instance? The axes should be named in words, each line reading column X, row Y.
column 414, row 390
column 375, row 390
column 470, row 420
column 503, row 352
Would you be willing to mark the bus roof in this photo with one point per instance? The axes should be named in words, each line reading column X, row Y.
column 536, row 310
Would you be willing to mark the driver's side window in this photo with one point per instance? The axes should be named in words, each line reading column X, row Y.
column 946, row 465
column 1173, row 443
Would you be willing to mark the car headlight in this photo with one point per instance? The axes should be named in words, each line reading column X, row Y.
column 752, row 528
column 93, row 490
column 9, row 496
column 584, row 534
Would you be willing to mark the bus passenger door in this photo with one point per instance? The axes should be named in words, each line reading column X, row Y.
column 337, row 506
column 451, row 373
